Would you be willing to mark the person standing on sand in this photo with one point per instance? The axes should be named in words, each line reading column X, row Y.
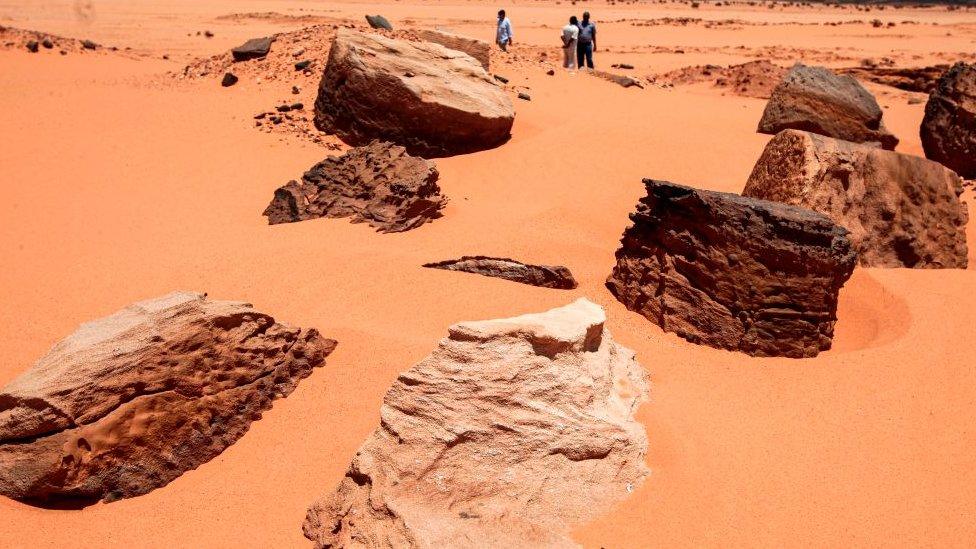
column 586, row 44
column 503, row 37
column 570, row 34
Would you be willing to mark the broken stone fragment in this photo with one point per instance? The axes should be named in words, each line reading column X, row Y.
column 901, row 210
column 379, row 184
column 512, row 432
column 546, row 276
column 129, row 402
column 733, row 272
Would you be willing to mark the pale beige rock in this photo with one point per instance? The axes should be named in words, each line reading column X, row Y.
column 129, row 402
column 509, row 434
column 479, row 49
column 430, row 99
column 901, row 210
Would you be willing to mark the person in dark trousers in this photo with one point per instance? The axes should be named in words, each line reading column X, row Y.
column 586, row 43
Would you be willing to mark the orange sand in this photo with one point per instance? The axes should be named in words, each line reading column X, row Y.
column 119, row 184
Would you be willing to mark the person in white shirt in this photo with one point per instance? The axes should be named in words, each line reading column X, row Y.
column 570, row 35
column 503, row 36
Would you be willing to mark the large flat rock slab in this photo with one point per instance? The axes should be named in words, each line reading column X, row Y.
column 901, row 210
column 817, row 100
column 131, row 401
column 733, row 272
column 433, row 100
column 509, row 434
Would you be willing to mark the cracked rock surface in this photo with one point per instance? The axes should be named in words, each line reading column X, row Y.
column 733, row 272
column 546, row 276
column 129, row 402
column 430, row 99
column 901, row 210
column 508, row 434
column 378, row 184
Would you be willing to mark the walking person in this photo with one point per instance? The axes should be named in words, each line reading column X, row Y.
column 569, row 36
column 503, row 36
column 586, row 44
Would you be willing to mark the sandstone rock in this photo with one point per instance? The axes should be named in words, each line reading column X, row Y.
column 949, row 127
column 733, row 272
column 901, row 210
column 815, row 99
column 509, row 434
column 448, row 106
column 129, row 402
column 252, row 49
column 378, row 22
column 546, row 276
column 479, row 49
column 379, row 184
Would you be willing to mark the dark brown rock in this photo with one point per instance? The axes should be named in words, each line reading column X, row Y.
column 901, row 210
column 814, row 99
column 378, row 22
column 432, row 100
column 252, row 49
column 618, row 79
column 733, row 272
column 949, row 127
column 379, row 184
column 229, row 79
column 129, row 402
column 546, row 276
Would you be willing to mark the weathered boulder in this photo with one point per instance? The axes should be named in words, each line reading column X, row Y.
column 509, row 434
column 814, row 99
column 379, row 22
column 546, row 276
column 252, row 49
column 379, row 184
column 432, row 100
column 949, row 127
column 129, row 402
column 733, row 272
column 901, row 210
column 479, row 49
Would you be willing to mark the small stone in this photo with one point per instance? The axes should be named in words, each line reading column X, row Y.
column 501, row 79
column 524, row 96
column 302, row 65
column 295, row 90
column 298, row 53
column 229, row 79
column 550, row 72
column 283, row 108
column 297, row 106
column 47, row 43
column 208, row 34
column 378, row 22
column 32, row 46
column 88, row 44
